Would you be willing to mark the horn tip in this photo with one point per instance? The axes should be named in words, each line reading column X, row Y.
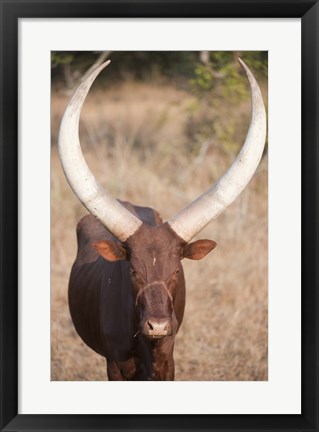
column 106, row 63
column 101, row 67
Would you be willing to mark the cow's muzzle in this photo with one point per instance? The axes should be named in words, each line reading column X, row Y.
column 156, row 328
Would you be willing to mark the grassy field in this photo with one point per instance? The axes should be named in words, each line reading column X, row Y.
column 144, row 144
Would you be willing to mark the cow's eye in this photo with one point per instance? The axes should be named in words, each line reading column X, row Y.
column 133, row 273
column 177, row 271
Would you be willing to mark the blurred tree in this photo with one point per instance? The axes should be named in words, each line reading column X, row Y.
column 205, row 68
column 70, row 65
column 63, row 60
column 211, row 78
column 217, row 65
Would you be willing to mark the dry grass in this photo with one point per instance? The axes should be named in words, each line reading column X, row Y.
column 135, row 142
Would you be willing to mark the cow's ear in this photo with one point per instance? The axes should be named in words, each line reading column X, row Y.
column 111, row 250
column 198, row 249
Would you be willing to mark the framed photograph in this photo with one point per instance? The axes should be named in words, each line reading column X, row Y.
column 161, row 124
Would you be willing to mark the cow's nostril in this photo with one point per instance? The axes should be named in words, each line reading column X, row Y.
column 157, row 327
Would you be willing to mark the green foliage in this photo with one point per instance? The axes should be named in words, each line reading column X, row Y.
column 220, row 79
column 215, row 82
column 258, row 62
column 183, row 66
column 61, row 58
column 203, row 79
column 222, row 72
column 137, row 65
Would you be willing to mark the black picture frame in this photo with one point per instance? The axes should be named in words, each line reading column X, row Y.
column 11, row 11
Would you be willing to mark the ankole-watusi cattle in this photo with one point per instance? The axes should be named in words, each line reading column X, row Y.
column 127, row 287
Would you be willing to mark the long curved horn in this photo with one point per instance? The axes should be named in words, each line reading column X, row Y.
column 193, row 218
column 116, row 218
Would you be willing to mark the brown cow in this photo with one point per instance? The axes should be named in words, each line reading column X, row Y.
column 127, row 288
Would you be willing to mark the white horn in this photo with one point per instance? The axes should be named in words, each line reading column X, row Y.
column 193, row 218
column 116, row 218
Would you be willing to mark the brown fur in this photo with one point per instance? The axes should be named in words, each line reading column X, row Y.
column 127, row 300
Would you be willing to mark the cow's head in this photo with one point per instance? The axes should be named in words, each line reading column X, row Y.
column 155, row 255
